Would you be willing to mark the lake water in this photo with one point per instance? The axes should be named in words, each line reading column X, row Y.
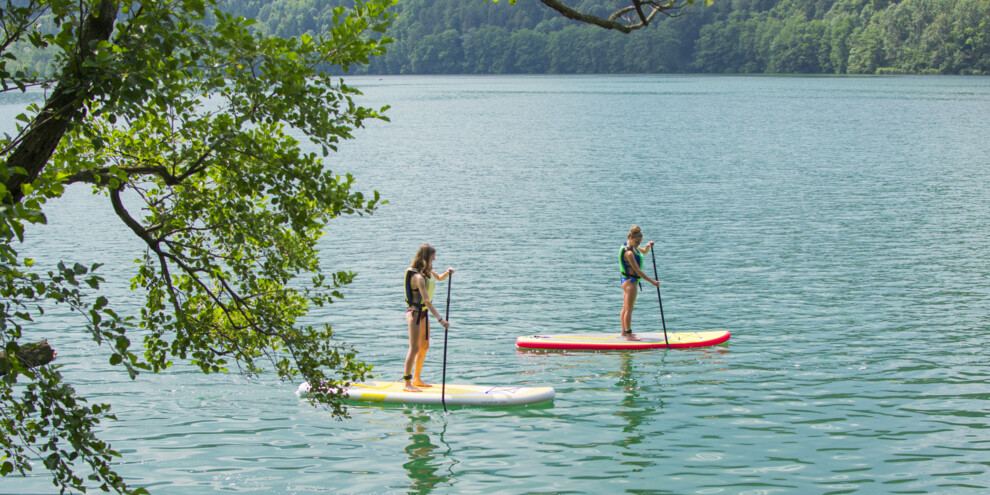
column 838, row 227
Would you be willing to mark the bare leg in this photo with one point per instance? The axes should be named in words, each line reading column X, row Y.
column 415, row 338
column 424, row 345
column 629, row 291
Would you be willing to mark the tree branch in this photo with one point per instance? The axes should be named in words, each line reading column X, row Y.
column 122, row 213
column 639, row 11
column 103, row 176
column 613, row 21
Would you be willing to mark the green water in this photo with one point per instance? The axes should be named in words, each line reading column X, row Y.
column 838, row 227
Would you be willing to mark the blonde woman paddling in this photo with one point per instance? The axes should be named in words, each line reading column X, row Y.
column 419, row 282
column 631, row 264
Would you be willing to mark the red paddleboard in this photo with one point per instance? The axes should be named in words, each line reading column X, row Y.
column 615, row 341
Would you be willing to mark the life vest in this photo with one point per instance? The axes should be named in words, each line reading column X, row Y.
column 626, row 270
column 417, row 300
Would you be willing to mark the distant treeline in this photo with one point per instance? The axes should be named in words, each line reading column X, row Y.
column 732, row 36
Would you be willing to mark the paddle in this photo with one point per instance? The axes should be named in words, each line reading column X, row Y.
column 443, row 387
column 659, row 300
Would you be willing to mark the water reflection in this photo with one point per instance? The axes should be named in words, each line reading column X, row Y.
column 627, row 381
column 423, row 466
column 631, row 409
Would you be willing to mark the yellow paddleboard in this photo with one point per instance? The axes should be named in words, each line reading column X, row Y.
column 455, row 394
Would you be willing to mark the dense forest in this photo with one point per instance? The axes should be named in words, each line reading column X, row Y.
column 731, row 36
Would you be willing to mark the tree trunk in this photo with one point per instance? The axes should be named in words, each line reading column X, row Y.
column 30, row 355
column 64, row 107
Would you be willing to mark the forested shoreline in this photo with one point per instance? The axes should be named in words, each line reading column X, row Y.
column 730, row 36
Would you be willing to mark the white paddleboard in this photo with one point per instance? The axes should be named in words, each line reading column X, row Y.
column 455, row 394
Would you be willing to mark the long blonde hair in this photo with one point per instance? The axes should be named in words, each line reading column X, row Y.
column 421, row 263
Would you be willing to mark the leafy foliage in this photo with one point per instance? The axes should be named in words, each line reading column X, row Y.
column 193, row 122
column 48, row 421
column 911, row 36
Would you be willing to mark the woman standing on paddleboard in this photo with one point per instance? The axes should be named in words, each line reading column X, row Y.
column 631, row 264
column 419, row 282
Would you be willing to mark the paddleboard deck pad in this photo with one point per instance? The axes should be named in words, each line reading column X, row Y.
column 615, row 341
column 456, row 394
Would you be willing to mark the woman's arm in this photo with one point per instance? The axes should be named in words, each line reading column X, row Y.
column 444, row 276
column 421, row 284
column 631, row 260
column 645, row 249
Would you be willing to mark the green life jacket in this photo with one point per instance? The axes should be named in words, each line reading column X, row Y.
column 416, row 301
column 626, row 270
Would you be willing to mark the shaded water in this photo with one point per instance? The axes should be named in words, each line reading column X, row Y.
column 838, row 227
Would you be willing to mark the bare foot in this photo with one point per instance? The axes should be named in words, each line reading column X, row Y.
column 632, row 337
column 419, row 383
column 410, row 388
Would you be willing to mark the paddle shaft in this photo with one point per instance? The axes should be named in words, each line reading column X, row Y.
column 656, row 276
column 443, row 386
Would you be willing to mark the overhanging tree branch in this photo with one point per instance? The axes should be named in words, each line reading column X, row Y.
column 621, row 20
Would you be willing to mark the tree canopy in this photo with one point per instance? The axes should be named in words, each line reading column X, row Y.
column 186, row 128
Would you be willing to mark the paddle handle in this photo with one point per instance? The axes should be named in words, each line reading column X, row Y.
column 656, row 277
column 443, row 387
